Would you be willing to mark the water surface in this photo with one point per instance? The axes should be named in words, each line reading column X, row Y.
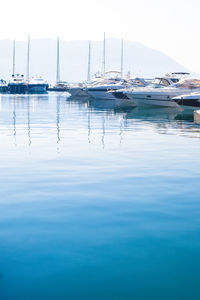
column 97, row 203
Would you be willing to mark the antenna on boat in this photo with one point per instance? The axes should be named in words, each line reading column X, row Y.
column 89, row 62
column 104, row 55
column 28, row 59
column 122, row 57
column 58, row 61
column 13, row 71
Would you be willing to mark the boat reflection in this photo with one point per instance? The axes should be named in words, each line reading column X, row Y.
column 156, row 114
column 22, row 105
column 162, row 119
column 167, row 120
column 36, row 119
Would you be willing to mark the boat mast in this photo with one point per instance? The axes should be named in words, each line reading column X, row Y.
column 28, row 59
column 13, row 71
column 104, row 55
column 89, row 62
column 58, row 61
column 122, row 57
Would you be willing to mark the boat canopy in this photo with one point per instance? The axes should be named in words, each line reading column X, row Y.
column 163, row 81
column 180, row 73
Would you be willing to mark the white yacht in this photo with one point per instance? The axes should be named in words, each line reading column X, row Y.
column 82, row 89
column 163, row 96
column 37, row 85
column 141, row 82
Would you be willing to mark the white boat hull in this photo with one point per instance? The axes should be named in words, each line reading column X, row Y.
column 102, row 92
column 101, row 95
column 155, row 98
column 111, row 99
column 153, row 102
column 78, row 92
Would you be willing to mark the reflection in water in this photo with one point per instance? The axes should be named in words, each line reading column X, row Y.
column 166, row 120
column 29, row 122
column 14, row 122
column 89, row 127
column 163, row 120
column 121, row 131
column 22, row 104
column 103, row 132
column 58, row 121
column 159, row 114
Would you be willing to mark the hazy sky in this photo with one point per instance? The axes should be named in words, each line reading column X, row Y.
column 170, row 26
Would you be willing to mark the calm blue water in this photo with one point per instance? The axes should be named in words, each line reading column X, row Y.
column 97, row 203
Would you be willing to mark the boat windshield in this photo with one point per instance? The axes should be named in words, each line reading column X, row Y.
column 174, row 80
column 161, row 82
column 138, row 82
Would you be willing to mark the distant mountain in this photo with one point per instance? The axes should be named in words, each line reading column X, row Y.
column 138, row 59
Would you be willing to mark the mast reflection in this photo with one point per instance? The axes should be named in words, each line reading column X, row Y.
column 14, row 122
column 58, row 122
column 29, row 121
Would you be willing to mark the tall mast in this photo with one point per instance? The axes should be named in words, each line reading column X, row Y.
column 104, row 55
column 122, row 57
column 58, row 61
column 89, row 63
column 13, row 71
column 28, row 59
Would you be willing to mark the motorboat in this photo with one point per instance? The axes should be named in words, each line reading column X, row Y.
column 17, row 84
column 142, row 83
column 163, row 96
column 86, row 89
column 111, row 81
column 101, row 91
column 191, row 101
column 136, row 82
column 37, row 85
column 157, row 82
